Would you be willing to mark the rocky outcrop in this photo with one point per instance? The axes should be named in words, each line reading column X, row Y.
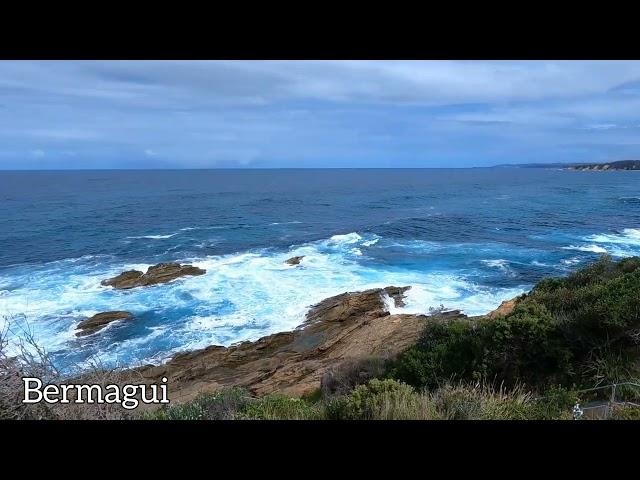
column 344, row 327
column 156, row 274
column 99, row 321
column 347, row 306
column 294, row 260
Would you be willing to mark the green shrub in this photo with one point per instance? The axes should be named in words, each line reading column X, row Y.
column 525, row 344
column 279, row 407
column 380, row 400
column 556, row 404
column 445, row 351
column 597, row 306
column 224, row 405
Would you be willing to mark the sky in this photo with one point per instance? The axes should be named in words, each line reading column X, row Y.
column 281, row 114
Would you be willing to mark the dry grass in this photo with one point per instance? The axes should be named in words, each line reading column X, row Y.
column 31, row 360
column 344, row 377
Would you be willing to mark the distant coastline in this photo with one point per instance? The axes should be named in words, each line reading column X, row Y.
column 619, row 165
column 616, row 165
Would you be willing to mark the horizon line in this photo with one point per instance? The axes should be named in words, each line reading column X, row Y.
column 255, row 168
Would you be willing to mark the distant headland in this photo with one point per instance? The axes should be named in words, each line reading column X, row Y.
column 617, row 165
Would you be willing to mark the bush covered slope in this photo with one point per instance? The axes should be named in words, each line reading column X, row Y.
column 579, row 331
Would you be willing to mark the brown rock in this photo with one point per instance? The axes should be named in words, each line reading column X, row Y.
column 505, row 308
column 294, row 260
column 348, row 305
column 128, row 279
column 160, row 273
column 347, row 326
column 99, row 321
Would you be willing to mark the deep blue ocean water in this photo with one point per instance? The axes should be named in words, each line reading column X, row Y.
column 464, row 238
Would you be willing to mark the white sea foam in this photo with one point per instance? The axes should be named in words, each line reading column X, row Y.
column 624, row 244
column 452, row 293
column 629, row 236
column 501, row 264
column 214, row 227
column 370, row 243
column 154, row 237
column 536, row 263
column 570, row 261
column 347, row 238
column 587, row 248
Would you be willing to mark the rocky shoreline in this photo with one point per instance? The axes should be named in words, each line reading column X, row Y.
column 348, row 326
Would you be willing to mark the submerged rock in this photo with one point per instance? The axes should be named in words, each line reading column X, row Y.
column 348, row 326
column 294, row 260
column 160, row 273
column 101, row 320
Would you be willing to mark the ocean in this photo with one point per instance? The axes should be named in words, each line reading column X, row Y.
column 462, row 238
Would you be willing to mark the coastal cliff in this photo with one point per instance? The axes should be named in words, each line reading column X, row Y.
column 618, row 165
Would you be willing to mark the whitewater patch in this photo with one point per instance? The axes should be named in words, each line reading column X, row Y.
column 629, row 236
column 452, row 294
column 154, row 237
column 624, row 243
column 215, row 227
column 370, row 243
column 500, row 263
column 587, row 248
column 347, row 238
column 536, row 263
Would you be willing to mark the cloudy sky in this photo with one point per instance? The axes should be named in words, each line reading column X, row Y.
column 198, row 114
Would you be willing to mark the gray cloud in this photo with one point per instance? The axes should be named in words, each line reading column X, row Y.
column 311, row 113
